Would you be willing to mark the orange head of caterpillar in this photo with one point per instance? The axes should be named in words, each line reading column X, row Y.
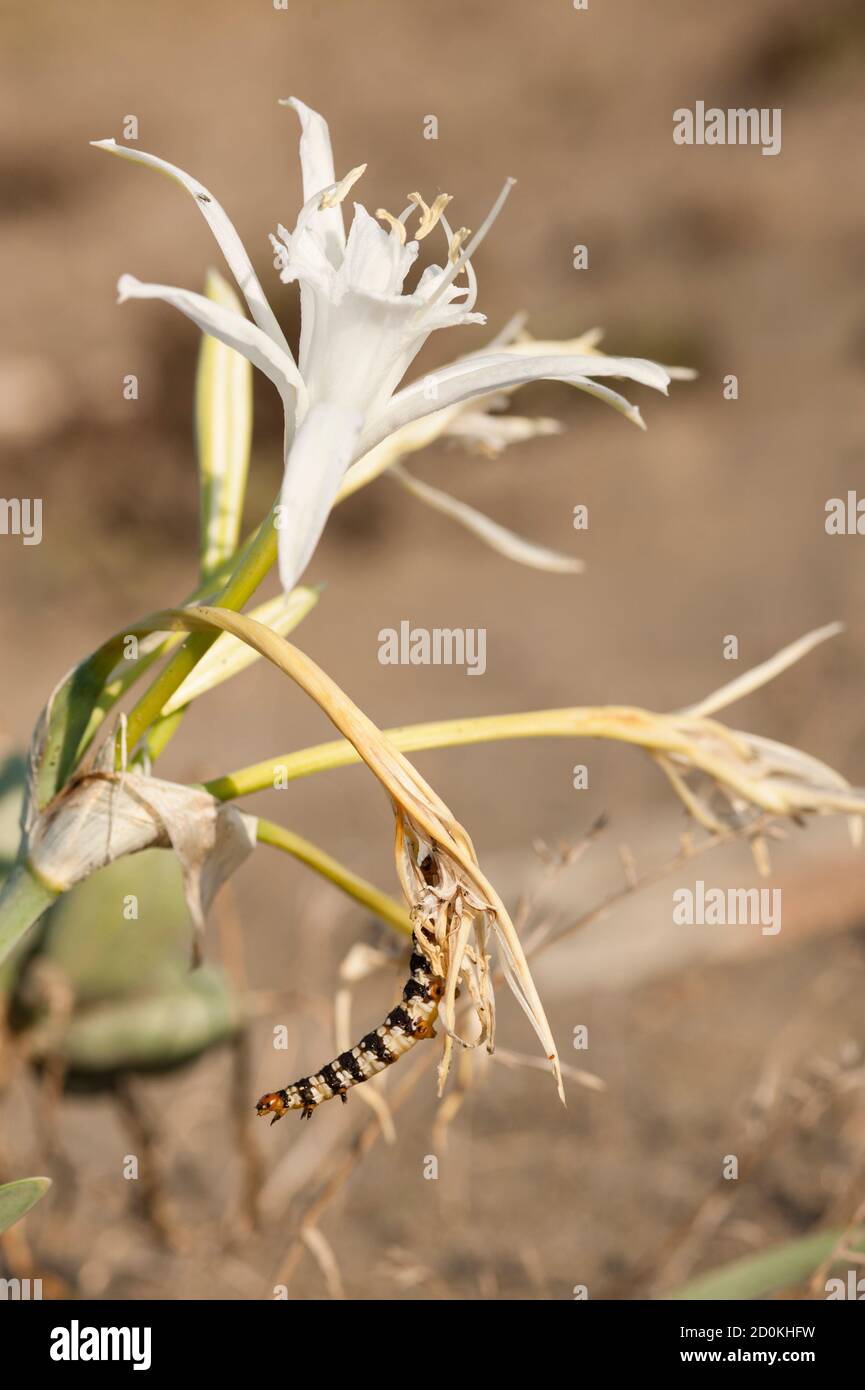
column 275, row 1103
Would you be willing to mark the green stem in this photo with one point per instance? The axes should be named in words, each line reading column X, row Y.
column 412, row 738
column 23, row 899
column 160, row 734
column 254, row 564
column 371, row 897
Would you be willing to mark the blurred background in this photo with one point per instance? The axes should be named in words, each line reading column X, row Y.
column 711, row 523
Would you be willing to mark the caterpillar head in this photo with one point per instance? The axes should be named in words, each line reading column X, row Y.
column 275, row 1103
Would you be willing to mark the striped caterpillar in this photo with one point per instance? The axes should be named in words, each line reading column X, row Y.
column 410, row 1022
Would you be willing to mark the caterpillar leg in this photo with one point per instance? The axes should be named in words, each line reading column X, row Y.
column 430, row 991
column 307, row 1109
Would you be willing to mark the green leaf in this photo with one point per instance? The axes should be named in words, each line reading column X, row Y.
column 100, row 952
column 23, row 900
column 755, row 1276
column 17, row 1198
column 154, row 1031
column 65, row 722
column 223, row 426
column 136, row 1002
column 13, row 781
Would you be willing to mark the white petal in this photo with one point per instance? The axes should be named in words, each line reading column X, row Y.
column 375, row 261
column 316, row 153
column 414, row 436
column 322, row 450
column 610, row 397
column 490, row 432
column 223, row 229
column 479, row 376
column 506, row 542
column 230, row 328
column 508, row 335
column 316, row 162
column 359, row 349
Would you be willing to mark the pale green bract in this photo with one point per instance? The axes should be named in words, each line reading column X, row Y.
column 19, row 1197
column 223, row 431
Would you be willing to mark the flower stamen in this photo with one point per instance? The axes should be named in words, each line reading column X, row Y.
column 448, row 279
column 456, row 243
column 429, row 216
column 332, row 197
column 397, row 226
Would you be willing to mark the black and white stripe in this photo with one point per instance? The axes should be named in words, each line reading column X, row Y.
column 407, row 1024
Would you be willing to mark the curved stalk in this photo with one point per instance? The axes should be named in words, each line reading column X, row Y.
column 588, row 722
column 379, row 903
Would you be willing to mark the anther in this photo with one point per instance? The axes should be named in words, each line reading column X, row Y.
column 456, row 244
column 397, row 227
column 429, row 216
column 333, row 196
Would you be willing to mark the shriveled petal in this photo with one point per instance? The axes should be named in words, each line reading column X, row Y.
column 230, row 328
column 223, row 229
column 479, row 376
column 100, row 817
column 506, row 542
column 316, row 162
column 322, row 450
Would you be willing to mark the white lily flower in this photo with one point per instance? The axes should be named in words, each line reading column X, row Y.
column 360, row 330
